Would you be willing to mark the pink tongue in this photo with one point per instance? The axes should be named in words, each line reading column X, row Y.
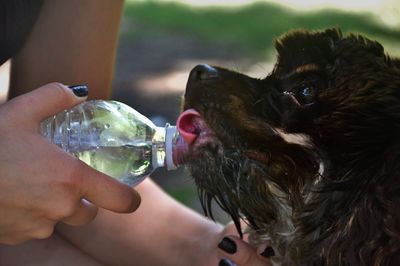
column 188, row 126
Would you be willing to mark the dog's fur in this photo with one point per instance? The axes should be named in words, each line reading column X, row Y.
column 310, row 155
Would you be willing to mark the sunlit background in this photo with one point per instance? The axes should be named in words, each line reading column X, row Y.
column 160, row 41
column 386, row 10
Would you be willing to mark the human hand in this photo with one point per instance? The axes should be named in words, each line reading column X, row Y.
column 39, row 183
column 236, row 251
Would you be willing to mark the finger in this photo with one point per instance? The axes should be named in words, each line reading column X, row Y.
column 35, row 229
column 108, row 193
column 58, row 97
column 12, row 237
column 85, row 212
column 42, row 230
column 13, row 240
column 241, row 253
column 230, row 229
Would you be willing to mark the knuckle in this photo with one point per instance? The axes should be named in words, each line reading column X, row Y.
column 43, row 232
column 65, row 206
column 56, row 215
column 74, row 177
column 71, row 179
column 70, row 183
column 68, row 190
column 67, row 209
column 56, row 84
column 58, row 91
column 57, row 87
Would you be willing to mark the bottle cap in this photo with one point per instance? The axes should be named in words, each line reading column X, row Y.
column 170, row 132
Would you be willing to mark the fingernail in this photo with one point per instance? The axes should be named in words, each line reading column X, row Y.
column 225, row 262
column 79, row 90
column 268, row 252
column 227, row 245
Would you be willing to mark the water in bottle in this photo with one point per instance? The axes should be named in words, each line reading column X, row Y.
column 115, row 139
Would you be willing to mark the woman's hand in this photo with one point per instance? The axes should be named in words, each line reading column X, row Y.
column 235, row 251
column 39, row 183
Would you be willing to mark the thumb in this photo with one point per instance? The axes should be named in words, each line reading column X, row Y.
column 50, row 99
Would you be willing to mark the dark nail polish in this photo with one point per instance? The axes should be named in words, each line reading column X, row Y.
column 79, row 90
column 268, row 252
column 227, row 245
column 225, row 262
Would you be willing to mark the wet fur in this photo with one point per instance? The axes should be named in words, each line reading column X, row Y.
column 332, row 199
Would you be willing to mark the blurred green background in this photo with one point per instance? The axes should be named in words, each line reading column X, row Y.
column 161, row 41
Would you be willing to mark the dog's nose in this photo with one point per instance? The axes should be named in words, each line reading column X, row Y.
column 203, row 72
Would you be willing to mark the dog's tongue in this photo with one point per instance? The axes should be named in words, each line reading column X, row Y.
column 188, row 125
column 193, row 131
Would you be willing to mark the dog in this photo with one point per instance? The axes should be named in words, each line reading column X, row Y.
column 308, row 156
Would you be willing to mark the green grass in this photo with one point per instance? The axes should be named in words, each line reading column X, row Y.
column 252, row 27
column 184, row 194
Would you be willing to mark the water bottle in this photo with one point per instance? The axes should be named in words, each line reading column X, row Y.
column 115, row 139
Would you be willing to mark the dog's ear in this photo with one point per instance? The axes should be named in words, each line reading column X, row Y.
column 394, row 62
column 373, row 47
column 334, row 34
column 359, row 46
column 336, row 38
column 301, row 47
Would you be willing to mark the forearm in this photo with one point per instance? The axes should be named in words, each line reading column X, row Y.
column 160, row 232
column 73, row 42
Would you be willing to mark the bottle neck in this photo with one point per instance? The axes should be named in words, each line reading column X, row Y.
column 169, row 149
column 170, row 135
column 158, row 148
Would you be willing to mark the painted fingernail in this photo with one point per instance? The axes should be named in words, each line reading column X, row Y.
column 268, row 252
column 79, row 90
column 225, row 262
column 227, row 245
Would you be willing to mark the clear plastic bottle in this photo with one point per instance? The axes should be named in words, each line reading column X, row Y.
column 115, row 139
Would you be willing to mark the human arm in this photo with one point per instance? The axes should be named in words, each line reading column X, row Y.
column 161, row 232
column 73, row 42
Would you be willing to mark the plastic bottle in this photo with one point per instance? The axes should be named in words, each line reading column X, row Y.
column 115, row 139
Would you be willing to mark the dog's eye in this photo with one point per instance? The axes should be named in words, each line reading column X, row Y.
column 307, row 93
column 304, row 94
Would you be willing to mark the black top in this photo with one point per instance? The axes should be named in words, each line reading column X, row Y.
column 17, row 18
